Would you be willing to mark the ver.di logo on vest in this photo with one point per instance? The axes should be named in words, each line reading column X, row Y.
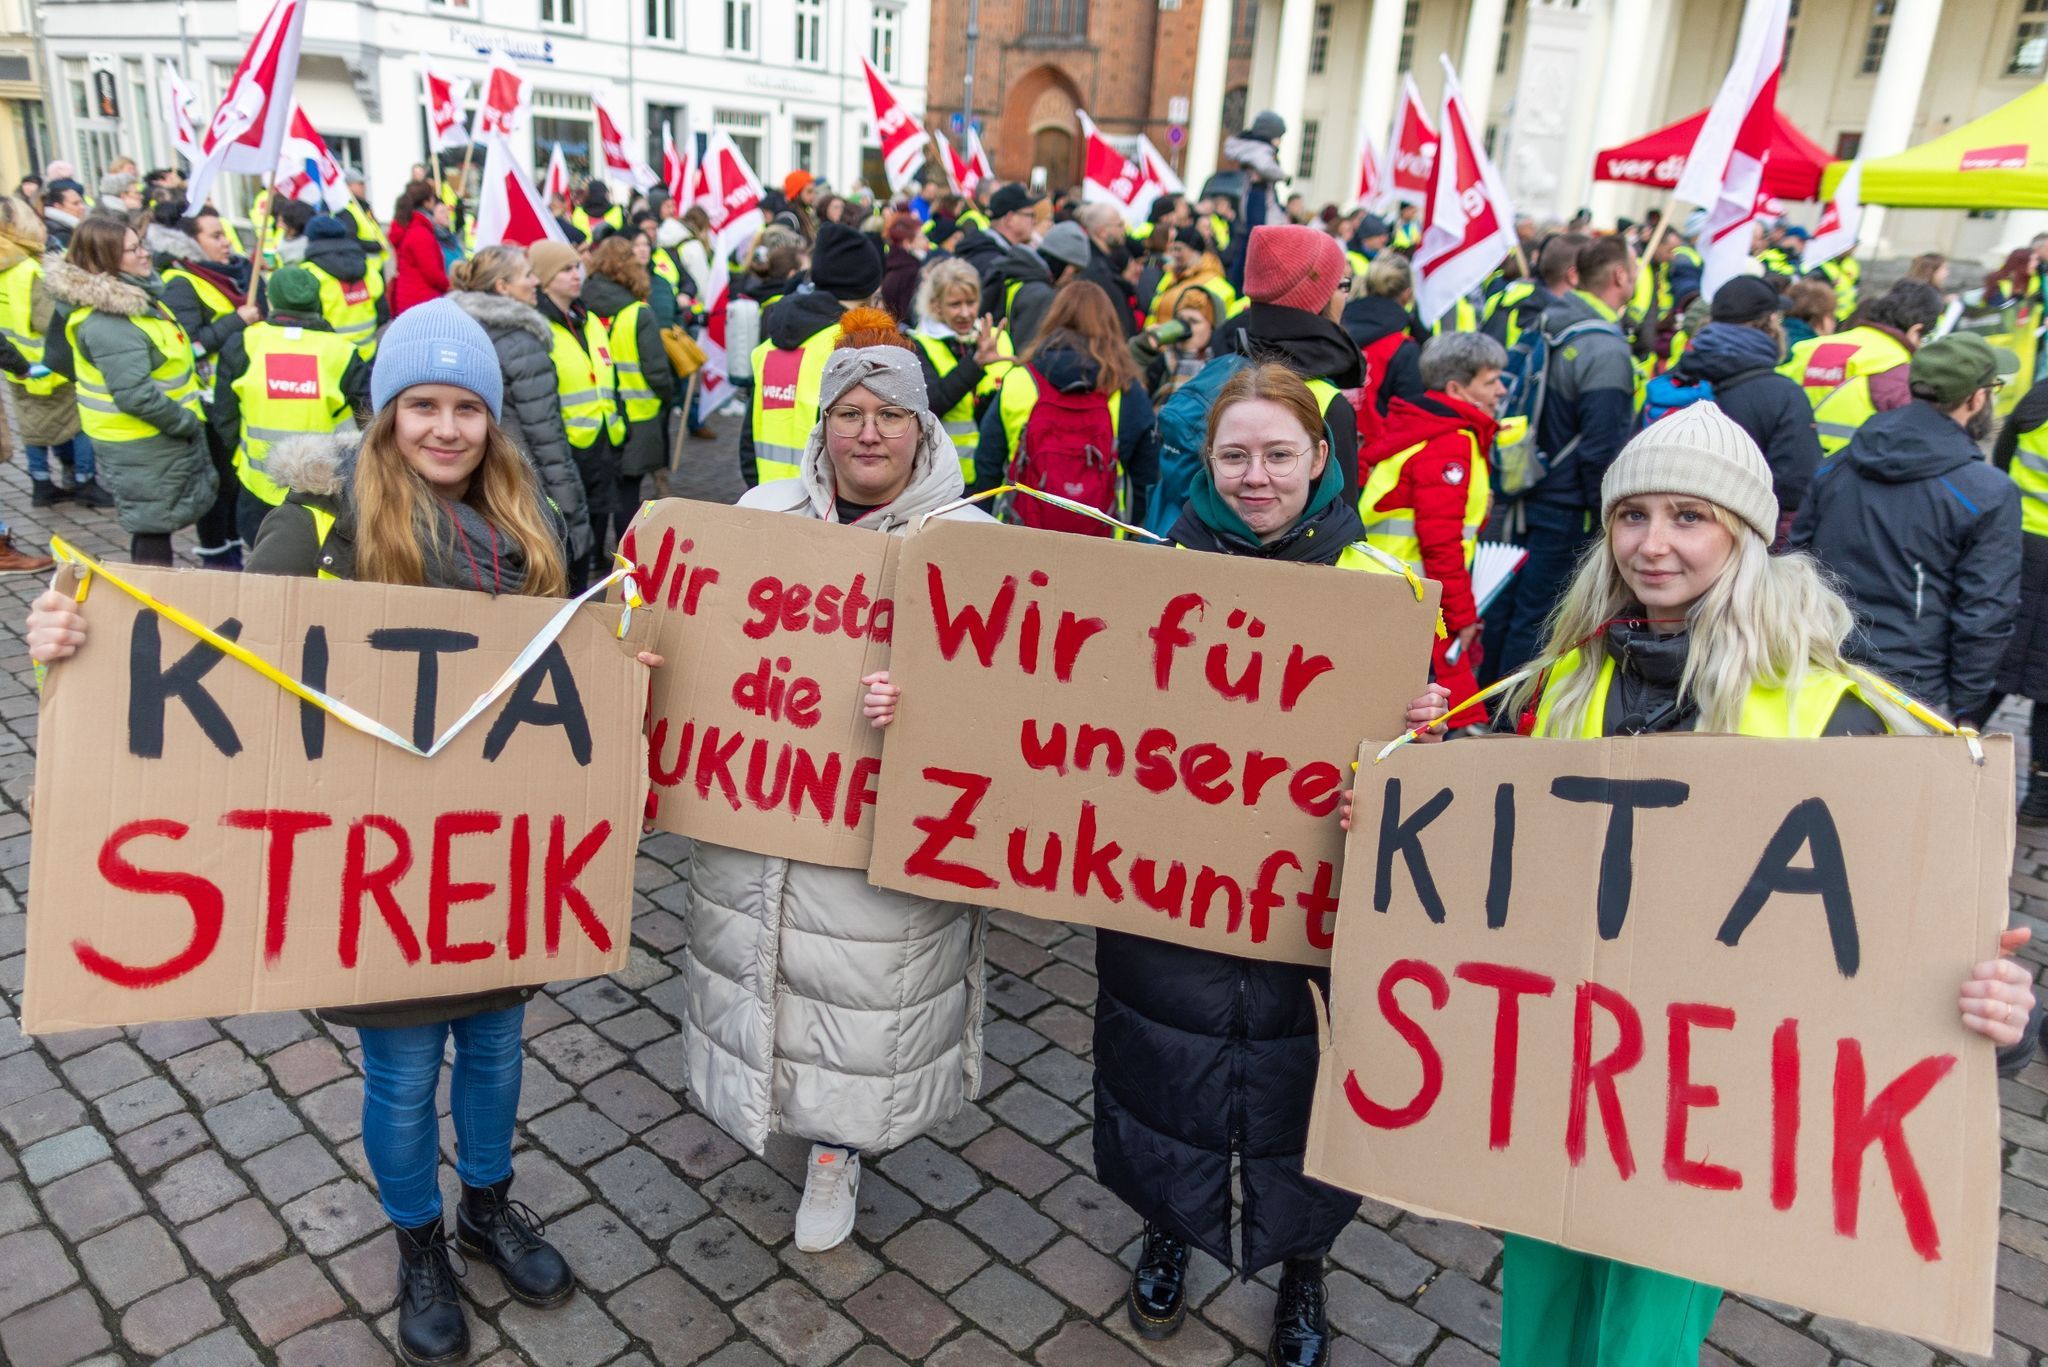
column 291, row 377
column 779, row 370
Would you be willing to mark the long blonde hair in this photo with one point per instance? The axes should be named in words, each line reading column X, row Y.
column 1766, row 620
column 396, row 511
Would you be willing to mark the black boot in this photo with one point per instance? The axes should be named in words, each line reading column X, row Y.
column 2034, row 807
column 46, row 494
column 90, row 494
column 506, row 1234
column 1301, row 1321
column 1158, row 1299
column 431, row 1328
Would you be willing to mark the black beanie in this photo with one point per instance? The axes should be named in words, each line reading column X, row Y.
column 845, row 263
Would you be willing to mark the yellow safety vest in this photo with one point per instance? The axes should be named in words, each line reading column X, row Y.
column 959, row 419
column 1462, row 317
column 973, row 218
column 350, row 307
column 1393, row 530
column 1766, row 712
column 175, row 377
column 1820, row 365
column 234, row 238
column 1019, row 395
column 1843, row 273
column 323, row 523
column 210, row 297
column 2030, row 473
column 1406, row 235
column 1510, row 300
column 1846, row 408
column 665, row 266
column 587, row 383
column 1219, row 232
column 17, row 323
column 292, row 387
column 1217, row 287
column 1360, row 262
column 786, row 386
column 639, row 402
column 367, row 227
column 615, row 216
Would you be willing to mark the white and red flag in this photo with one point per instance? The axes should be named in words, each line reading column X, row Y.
column 678, row 170
column 1110, row 177
column 896, row 129
column 977, row 159
column 179, row 107
column 958, row 174
column 620, row 156
column 1372, row 177
column 507, row 209
column 556, row 182
column 1158, row 171
column 1725, row 171
column 443, row 94
column 1468, row 227
column 247, row 130
column 307, row 171
column 502, row 110
column 1840, row 220
column 735, row 196
column 1411, row 148
column 714, row 383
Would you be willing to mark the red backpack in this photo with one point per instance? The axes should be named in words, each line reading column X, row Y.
column 1068, row 448
column 1365, row 400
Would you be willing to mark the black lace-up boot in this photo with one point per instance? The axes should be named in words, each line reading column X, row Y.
column 2034, row 806
column 431, row 1329
column 1158, row 1300
column 506, row 1234
column 1301, row 1322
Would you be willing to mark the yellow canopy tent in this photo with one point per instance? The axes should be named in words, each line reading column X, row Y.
column 1997, row 162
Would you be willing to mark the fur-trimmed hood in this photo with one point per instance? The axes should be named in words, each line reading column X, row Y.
column 501, row 313
column 163, row 241
column 126, row 295
column 317, row 465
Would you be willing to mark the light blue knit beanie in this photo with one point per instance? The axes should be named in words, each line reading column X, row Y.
column 436, row 343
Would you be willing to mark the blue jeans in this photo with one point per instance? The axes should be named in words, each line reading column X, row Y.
column 1556, row 537
column 77, row 453
column 401, row 1068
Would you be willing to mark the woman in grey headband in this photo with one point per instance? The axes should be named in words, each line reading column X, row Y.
column 818, row 1005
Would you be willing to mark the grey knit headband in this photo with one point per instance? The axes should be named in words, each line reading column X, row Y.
column 892, row 373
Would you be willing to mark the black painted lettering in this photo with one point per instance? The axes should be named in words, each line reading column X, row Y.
column 524, row 707
column 429, row 643
column 151, row 688
column 1405, row 837
column 1810, row 823
column 1617, row 856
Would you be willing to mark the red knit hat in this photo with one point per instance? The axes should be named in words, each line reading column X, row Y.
column 1293, row 266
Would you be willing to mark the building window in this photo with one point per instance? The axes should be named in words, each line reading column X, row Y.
column 77, row 87
column 2030, row 40
column 745, row 130
column 1848, row 146
column 678, row 123
column 1507, row 37
column 1233, row 109
column 565, row 119
column 1319, row 42
column 739, row 27
column 1791, row 33
column 1875, row 36
column 1056, row 19
column 1408, row 18
column 346, row 147
column 882, row 38
column 1311, row 134
column 1244, row 26
column 810, row 32
column 558, row 13
column 807, row 145
column 139, row 114
column 661, row 20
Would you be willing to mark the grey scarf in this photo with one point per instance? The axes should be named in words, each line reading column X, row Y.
column 464, row 551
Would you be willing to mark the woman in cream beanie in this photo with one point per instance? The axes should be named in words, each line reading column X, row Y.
column 1680, row 619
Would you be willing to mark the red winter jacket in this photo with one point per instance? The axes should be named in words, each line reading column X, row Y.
column 1435, row 483
column 422, row 275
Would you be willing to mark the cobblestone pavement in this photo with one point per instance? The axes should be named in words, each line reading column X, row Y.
column 196, row 1193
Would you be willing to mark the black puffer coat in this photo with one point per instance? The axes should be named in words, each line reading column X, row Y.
column 1741, row 363
column 532, row 410
column 1199, row 1054
column 2025, row 667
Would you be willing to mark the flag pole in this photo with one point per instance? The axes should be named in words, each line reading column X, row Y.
column 256, row 261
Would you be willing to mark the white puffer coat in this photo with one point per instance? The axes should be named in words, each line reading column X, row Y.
column 818, row 1004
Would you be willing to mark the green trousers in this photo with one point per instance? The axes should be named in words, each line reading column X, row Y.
column 1566, row 1309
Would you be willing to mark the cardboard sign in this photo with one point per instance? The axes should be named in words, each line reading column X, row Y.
column 205, row 844
column 767, row 624
column 1149, row 740
column 1685, row 1001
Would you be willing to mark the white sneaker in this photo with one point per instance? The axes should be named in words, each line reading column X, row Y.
column 831, row 1198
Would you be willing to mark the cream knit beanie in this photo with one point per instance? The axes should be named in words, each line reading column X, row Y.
column 1700, row 451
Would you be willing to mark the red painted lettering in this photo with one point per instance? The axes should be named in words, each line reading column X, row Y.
column 558, row 885
column 986, row 630
column 1400, row 1117
column 284, row 828
column 358, row 881
column 444, row 894
column 1684, row 1096
column 1512, row 984
column 1590, row 1076
column 1882, row 1121
column 204, row 899
column 941, row 831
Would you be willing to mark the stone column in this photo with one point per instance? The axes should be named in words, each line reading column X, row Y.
column 1895, row 98
column 1205, row 103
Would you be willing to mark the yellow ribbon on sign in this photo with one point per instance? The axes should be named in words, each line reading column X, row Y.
column 333, row 706
column 1081, row 509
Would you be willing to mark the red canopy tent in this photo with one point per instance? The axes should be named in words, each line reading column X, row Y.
column 1657, row 158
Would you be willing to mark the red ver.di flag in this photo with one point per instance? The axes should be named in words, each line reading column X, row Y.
column 502, row 109
column 507, row 208
column 1467, row 226
column 1110, row 177
column 442, row 94
column 1411, row 148
column 620, row 157
column 248, row 127
column 1684, row 1001
column 896, row 129
column 1725, row 172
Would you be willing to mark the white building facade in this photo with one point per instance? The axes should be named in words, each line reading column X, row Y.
column 1559, row 79
column 783, row 77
